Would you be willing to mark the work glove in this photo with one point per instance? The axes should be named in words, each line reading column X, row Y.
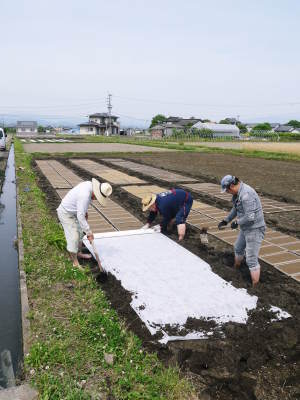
column 90, row 237
column 156, row 228
column 145, row 226
column 222, row 224
column 234, row 225
column 203, row 236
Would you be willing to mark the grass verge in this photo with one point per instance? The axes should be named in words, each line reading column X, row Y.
column 73, row 325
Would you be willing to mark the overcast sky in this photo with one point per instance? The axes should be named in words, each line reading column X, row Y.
column 208, row 59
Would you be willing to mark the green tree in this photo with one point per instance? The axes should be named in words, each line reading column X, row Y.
column 41, row 129
column 9, row 129
column 265, row 126
column 294, row 123
column 242, row 127
column 225, row 121
column 158, row 119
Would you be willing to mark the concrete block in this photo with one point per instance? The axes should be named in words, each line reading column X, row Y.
column 281, row 258
column 23, row 392
column 290, row 268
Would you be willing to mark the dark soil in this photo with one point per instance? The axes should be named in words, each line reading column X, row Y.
column 279, row 180
column 258, row 360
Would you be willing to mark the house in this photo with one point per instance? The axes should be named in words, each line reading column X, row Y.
column 26, row 128
column 170, row 128
column 130, row 131
column 184, row 122
column 157, row 131
column 100, row 124
column 274, row 126
column 172, row 124
column 287, row 129
column 219, row 130
column 165, row 130
column 48, row 129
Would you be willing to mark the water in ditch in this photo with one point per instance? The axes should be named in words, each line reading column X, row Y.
column 10, row 309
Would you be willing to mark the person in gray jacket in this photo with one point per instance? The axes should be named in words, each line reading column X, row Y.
column 250, row 219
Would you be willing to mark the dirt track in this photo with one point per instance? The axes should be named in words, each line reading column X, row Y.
column 258, row 360
column 88, row 148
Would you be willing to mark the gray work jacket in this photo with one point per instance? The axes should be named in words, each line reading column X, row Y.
column 247, row 208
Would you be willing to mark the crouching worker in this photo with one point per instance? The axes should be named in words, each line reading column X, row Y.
column 72, row 213
column 174, row 206
column 250, row 218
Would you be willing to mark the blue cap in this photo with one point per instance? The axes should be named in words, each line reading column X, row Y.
column 226, row 181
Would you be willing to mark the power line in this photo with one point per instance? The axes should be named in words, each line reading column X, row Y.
column 290, row 103
column 100, row 101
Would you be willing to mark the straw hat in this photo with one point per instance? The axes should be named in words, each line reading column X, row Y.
column 147, row 201
column 101, row 191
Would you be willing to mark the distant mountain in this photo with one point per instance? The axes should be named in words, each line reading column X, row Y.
column 72, row 122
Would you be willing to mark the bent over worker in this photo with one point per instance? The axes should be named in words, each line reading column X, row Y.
column 72, row 213
column 250, row 218
column 174, row 205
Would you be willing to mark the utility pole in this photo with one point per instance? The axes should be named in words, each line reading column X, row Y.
column 109, row 107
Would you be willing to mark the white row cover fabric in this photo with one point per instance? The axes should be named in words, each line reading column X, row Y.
column 168, row 283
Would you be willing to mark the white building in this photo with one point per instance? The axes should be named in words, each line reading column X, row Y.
column 219, row 130
column 26, row 128
column 100, row 124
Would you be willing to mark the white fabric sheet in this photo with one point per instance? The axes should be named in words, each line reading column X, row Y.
column 169, row 283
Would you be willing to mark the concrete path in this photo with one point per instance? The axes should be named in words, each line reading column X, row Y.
column 3, row 154
column 23, row 392
column 87, row 148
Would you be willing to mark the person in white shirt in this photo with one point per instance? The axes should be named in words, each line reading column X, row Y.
column 73, row 215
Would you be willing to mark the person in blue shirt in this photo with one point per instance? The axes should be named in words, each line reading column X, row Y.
column 174, row 205
column 247, row 210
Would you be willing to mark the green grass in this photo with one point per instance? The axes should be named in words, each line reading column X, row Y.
column 73, row 324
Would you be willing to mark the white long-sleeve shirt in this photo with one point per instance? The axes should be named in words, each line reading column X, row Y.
column 77, row 202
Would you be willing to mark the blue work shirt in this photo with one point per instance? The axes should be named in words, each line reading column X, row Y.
column 174, row 203
column 247, row 208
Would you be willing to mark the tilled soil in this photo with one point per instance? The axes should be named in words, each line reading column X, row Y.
column 279, row 180
column 258, row 360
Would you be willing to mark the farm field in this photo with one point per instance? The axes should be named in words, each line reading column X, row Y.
column 293, row 148
column 242, row 362
column 277, row 179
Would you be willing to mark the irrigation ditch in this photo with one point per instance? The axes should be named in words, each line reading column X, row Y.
column 10, row 311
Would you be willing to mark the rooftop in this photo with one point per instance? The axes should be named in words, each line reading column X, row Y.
column 27, row 124
column 102, row 115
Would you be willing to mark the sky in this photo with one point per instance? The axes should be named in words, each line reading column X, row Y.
column 207, row 59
